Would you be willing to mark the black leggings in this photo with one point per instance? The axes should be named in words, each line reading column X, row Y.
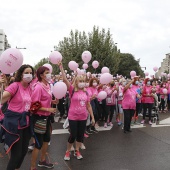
column 162, row 105
column 109, row 109
column 149, row 106
column 128, row 114
column 77, row 129
column 19, row 149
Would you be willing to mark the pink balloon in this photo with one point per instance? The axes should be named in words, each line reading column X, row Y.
column 73, row 65
column 165, row 74
column 162, row 74
column 88, row 74
column 146, row 74
column 85, row 66
column 86, row 56
column 59, row 90
column 155, row 69
column 55, row 57
column 49, row 67
column 10, row 60
column 133, row 73
column 168, row 75
column 102, row 95
column 95, row 64
column 105, row 70
column 79, row 71
column 165, row 91
column 105, row 78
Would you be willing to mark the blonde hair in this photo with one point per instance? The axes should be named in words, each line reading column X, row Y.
column 78, row 78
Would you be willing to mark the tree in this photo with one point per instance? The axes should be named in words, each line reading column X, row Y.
column 102, row 48
column 99, row 43
column 127, row 64
column 45, row 61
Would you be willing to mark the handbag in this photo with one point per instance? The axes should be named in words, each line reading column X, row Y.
column 40, row 126
column 35, row 107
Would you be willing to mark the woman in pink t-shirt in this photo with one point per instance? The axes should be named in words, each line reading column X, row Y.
column 129, row 105
column 111, row 91
column 42, row 134
column 163, row 97
column 16, row 120
column 147, row 100
column 78, row 112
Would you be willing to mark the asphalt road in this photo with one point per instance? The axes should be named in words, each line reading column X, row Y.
column 145, row 148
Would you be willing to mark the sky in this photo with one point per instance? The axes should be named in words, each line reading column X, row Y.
column 139, row 27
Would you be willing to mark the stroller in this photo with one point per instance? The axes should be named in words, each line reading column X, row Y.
column 155, row 112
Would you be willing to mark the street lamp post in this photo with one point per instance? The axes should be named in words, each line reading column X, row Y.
column 20, row 48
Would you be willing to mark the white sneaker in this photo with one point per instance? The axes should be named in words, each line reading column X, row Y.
column 82, row 146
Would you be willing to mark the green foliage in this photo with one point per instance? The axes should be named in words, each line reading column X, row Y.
column 102, row 48
column 127, row 64
column 45, row 61
column 99, row 43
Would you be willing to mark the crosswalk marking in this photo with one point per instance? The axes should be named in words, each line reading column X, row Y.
column 162, row 123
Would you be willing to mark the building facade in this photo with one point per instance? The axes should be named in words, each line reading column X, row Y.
column 3, row 41
column 165, row 66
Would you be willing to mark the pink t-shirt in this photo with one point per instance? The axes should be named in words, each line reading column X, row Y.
column 129, row 99
column 120, row 94
column 147, row 90
column 42, row 94
column 78, row 105
column 94, row 90
column 111, row 96
column 21, row 101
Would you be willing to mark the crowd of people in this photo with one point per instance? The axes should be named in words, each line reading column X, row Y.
column 28, row 108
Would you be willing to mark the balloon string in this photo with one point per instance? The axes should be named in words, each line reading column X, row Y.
column 2, row 87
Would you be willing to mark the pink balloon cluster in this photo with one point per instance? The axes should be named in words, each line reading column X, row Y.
column 55, row 57
column 86, row 56
column 95, row 64
column 59, row 90
column 10, row 60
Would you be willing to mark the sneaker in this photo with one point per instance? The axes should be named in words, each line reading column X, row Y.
column 88, row 132
column 117, row 120
column 67, row 156
column 119, row 123
column 78, row 155
column 45, row 164
column 150, row 122
column 105, row 125
column 82, row 146
column 137, row 123
column 111, row 124
column 140, row 114
column 85, row 135
column 31, row 147
column 142, row 122
column 49, row 143
column 93, row 129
